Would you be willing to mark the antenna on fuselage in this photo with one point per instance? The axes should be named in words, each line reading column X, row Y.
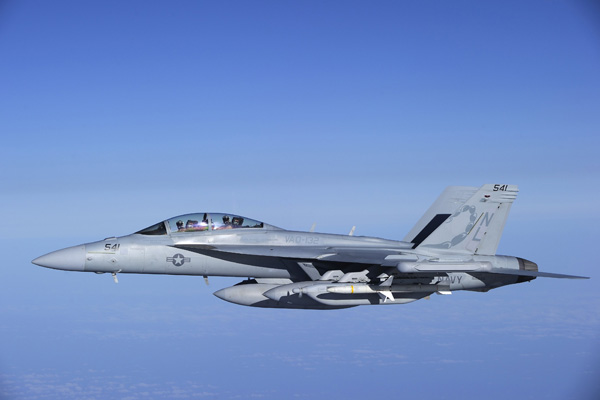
column 352, row 231
column 312, row 228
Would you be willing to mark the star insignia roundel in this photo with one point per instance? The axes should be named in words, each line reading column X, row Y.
column 178, row 259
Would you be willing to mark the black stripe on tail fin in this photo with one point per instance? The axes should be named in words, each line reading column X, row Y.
column 429, row 228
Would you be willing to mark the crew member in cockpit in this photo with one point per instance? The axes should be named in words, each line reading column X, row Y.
column 226, row 222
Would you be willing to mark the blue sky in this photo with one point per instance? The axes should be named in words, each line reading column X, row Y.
column 115, row 115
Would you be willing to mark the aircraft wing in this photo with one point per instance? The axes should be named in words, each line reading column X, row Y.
column 302, row 261
column 314, row 258
column 356, row 255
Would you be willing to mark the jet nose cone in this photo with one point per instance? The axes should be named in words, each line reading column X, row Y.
column 69, row 259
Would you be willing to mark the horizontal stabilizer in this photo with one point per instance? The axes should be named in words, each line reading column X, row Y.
column 535, row 274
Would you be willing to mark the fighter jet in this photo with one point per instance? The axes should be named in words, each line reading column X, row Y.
column 452, row 247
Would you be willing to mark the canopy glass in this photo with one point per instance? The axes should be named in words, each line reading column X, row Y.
column 201, row 222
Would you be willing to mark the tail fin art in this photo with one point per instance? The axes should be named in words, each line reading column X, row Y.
column 445, row 205
column 474, row 227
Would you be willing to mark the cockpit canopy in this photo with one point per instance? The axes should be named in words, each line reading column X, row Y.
column 203, row 222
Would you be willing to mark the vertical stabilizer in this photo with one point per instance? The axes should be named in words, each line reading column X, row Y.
column 476, row 226
column 446, row 204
